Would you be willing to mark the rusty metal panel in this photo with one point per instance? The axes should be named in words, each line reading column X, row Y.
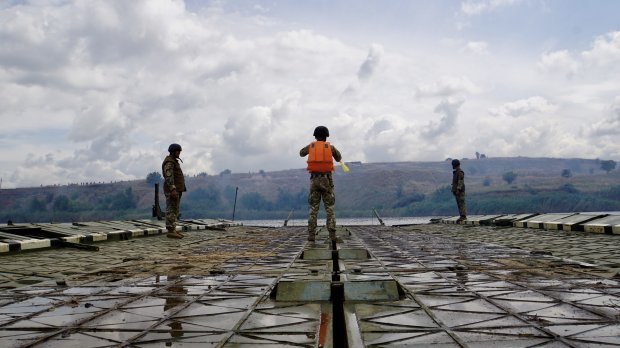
column 317, row 254
column 352, row 254
column 371, row 290
column 303, row 291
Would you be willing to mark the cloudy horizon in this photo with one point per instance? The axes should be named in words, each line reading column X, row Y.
column 95, row 91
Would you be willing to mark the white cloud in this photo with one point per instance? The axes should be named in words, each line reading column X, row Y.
column 250, row 133
column 389, row 139
column 477, row 47
column 256, row 130
column 446, row 86
column 476, row 7
column 610, row 125
column 371, row 63
column 602, row 58
column 532, row 105
column 367, row 69
column 559, row 61
column 96, row 91
column 449, row 109
column 605, row 50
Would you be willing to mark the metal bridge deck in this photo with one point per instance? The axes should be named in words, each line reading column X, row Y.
column 433, row 285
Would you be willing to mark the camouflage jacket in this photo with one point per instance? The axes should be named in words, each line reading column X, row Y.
column 173, row 175
column 458, row 181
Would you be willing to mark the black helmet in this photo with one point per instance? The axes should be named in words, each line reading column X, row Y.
column 321, row 132
column 174, row 147
column 455, row 163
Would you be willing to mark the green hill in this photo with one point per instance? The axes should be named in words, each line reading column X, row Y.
column 394, row 189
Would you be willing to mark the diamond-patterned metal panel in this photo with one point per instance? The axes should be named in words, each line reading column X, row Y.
column 455, row 286
column 472, row 294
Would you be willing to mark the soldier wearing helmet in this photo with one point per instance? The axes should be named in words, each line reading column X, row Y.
column 321, row 165
column 458, row 189
column 174, row 186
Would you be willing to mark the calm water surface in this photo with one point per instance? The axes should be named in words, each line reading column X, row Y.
column 388, row 221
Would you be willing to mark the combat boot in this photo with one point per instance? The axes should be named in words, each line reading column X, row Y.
column 311, row 235
column 172, row 233
column 332, row 235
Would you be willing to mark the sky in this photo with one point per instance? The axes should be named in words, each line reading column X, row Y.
column 95, row 91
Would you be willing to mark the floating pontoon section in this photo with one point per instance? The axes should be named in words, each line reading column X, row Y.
column 419, row 286
column 21, row 237
column 609, row 224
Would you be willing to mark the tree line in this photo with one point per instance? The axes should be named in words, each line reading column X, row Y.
column 216, row 197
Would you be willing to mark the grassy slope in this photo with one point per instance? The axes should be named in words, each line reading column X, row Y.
column 367, row 186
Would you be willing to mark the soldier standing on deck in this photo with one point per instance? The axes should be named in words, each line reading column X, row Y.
column 321, row 166
column 458, row 189
column 174, row 186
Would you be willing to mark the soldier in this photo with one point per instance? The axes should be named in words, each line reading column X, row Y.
column 174, row 186
column 321, row 166
column 458, row 189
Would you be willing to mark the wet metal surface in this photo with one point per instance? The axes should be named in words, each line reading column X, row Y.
column 583, row 247
column 609, row 224
column 465, row 293
column 434, row 285
column 538, row 221
column 571, row 223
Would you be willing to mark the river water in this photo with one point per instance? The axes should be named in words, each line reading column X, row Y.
column 388, row 221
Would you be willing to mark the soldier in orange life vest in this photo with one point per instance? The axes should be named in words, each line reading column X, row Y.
column 174, row 186
column 321, row 166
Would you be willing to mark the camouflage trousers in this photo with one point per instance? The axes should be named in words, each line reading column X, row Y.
column 172, row 211
column 460, row 203
column 321, row 187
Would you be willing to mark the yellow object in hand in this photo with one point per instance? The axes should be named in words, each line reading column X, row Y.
column 344, row 167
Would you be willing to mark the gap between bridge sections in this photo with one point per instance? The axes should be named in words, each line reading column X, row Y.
column 340, row 286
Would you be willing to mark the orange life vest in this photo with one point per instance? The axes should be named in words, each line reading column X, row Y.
column 320, row 157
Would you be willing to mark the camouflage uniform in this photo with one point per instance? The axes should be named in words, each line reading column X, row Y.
column 321, row 187
column 458, row 189
column 173, row 177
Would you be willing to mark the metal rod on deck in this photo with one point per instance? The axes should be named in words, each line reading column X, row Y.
column 156, row 207
column 378, row 217
column 288, row 217
column 235, row 205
